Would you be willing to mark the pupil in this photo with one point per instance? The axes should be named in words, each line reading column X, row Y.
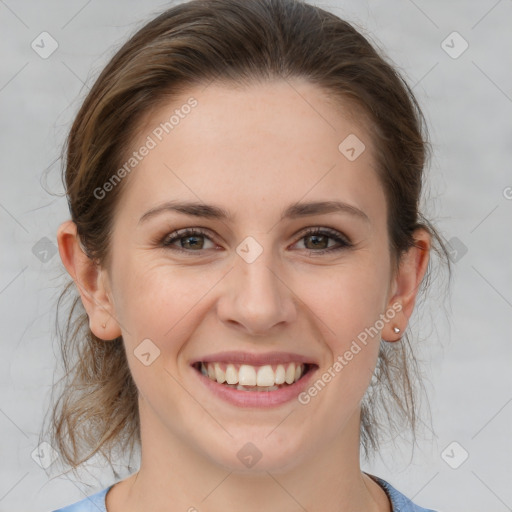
column 315, row 239
column 194, row 244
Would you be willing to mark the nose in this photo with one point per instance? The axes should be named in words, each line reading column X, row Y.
column 256, row 297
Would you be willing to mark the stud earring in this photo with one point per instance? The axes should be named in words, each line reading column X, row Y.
column 396, row 329
column 104, row 326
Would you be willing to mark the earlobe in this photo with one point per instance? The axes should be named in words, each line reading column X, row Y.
column 409, row 276
column 90, row 280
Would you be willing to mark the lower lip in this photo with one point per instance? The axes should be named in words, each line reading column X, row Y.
column 257, row 398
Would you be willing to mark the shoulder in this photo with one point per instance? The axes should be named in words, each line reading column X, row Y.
column 399, row 501
column 94, row 503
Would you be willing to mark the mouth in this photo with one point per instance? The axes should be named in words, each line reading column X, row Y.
column 255, row 378
column 246, row 379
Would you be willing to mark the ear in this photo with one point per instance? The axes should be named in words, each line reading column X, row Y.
column 406, row 283
column 91, row 281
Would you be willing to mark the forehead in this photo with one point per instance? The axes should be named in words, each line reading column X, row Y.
column 253, row 147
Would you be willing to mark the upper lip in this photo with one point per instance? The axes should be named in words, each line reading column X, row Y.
column 256, row 359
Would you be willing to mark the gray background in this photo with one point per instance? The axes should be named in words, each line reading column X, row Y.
column 464, row 343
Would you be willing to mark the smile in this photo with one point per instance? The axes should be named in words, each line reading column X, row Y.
column 247, row 377
column 267, row 384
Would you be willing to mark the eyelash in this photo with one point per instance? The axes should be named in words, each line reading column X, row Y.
column 343, row 241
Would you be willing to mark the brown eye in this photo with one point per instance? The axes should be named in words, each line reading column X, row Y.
column 190, row 240
column 319, row 240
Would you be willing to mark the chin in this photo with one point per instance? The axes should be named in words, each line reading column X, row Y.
column 254, row 454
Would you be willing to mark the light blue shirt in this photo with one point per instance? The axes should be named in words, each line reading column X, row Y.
column 400, row 503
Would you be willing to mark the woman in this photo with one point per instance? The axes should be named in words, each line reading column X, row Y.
column 243, row 182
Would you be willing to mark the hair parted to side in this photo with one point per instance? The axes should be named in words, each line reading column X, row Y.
column 239, row 43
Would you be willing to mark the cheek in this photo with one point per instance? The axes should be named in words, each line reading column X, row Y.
column 162, row 301
column 348, row 300
column 155, row 298
column 349, row 303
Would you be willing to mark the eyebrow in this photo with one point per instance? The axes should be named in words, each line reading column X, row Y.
column 294, row 211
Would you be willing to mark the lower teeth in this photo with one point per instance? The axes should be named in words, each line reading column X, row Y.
column 252, row 388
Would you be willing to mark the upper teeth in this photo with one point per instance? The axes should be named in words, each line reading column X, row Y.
column 248, row 375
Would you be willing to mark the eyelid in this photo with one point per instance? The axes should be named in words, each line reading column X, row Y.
column 183, row 233
column 340, row 238
column 334, row 233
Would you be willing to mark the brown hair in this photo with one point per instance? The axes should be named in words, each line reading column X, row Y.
column 236, row 42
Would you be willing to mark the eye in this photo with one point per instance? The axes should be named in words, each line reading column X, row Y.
column 316, row 240
column 319, row 240
column 191, row 240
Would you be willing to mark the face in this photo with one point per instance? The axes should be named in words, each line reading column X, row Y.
column 273, row 282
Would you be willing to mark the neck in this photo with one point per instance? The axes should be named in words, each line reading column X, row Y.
column 177, row 477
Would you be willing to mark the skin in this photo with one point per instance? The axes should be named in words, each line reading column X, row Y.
column 252, row 151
